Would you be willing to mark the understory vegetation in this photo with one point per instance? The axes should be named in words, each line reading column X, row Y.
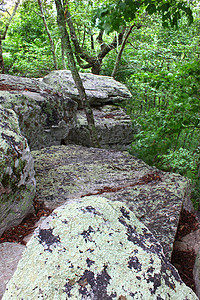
column 160, row 65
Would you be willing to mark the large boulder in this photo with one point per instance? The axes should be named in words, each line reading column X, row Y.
column 45, row 116
column 100, row 90
column 114, row 127
column 156, row 197
column 96, row 249
column 17, row 181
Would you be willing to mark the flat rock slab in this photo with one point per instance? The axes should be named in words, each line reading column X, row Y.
column 10, row 254
column 67, row 172
column 94, row 248
column 114, row 127
column 100, row 90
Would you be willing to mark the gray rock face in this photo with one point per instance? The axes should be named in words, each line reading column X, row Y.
column 45, row 116
column 114, row 129
column 17, row 182
column 67, row 172
column 100, row 90
column 10, row 254
column 196, row 274
column 94, row 248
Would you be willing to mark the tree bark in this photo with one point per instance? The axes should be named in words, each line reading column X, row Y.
column 127, row 33
column 49, row 35
column 78, row 82
column 1, row 58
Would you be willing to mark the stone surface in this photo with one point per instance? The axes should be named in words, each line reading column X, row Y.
column 190, row 242
column 45, row 116
column 10, row 254
column 100, row 90
column 17, row 181
column 94, row 248
column 196, row 273
column 67, row 172
column 114, row 128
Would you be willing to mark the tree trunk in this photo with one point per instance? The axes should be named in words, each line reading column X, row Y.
column 1, row 58
column 75, row 74
column 63, row 56
column 49, row 35
column 121, row 51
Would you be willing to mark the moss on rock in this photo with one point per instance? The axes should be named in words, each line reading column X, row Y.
column 17, row 181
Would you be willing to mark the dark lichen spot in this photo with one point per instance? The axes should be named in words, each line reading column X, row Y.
column 125, row 213
column 89, row 262
column 156, row 280
column 98, row 285
column 134, row 263
column 67, row 288
column 86, row 234
column 47, row 239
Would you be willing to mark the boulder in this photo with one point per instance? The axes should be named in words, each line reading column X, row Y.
column 114, row 127
column 10, row 254
column 95, row 248
column 45, row 116
column 100, row 90
column 156, row 197
column 196, row 273
column 17, row 181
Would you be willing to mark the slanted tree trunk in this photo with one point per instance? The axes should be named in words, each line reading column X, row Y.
column 63, row 55
column 49, row 35
column 75, row 74
column 1, row 58
column 127, row 33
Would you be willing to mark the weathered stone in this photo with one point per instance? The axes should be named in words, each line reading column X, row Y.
column 156, row 197
column 196, row 274
column 190, row 242
column 100, row 90
column 94, row 248
column 17, row 181
column 45, row 116
column 114, row 128
column 10, row 254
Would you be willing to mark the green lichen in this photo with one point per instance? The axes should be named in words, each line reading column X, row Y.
column 96, row 247
column 67, row 172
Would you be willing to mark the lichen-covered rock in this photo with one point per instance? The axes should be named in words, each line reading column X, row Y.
column 156, row 197
column 114, row 127
column 45, row 116
column 95, row 249
column 17, row 181
column 100, row 90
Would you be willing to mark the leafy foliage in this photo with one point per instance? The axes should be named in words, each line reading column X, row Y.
column 114, row 14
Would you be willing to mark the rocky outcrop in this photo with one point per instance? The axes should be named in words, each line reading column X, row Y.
column 17, row 182
column 114, row 129
column 67, row 172
column 100, row 90
column 45, row 116
column 94, row 248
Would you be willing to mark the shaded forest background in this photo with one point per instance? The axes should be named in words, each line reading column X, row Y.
column 155, row 52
